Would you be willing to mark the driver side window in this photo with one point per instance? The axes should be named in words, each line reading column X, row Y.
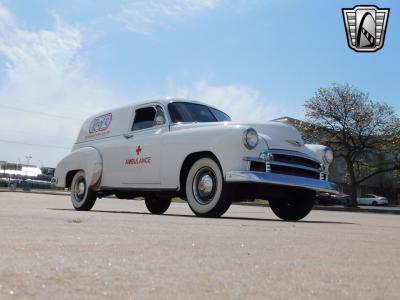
column 148, row 117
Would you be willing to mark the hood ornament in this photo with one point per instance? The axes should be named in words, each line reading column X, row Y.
column 295, row 143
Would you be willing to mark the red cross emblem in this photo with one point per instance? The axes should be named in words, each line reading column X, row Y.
column 138, row 150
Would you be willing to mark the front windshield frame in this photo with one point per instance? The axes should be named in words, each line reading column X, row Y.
column 186, row 116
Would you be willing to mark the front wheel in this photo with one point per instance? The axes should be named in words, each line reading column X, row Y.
column 295, row 206
column 82, row 196
column 157, row 205
column 206, row 192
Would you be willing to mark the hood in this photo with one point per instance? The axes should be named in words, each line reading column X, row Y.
column 282, row 136
column 277, row 135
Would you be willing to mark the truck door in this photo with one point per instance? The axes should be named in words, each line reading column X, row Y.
column 138, row 153
column 144, row 149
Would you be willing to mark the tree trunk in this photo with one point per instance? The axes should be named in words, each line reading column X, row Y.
column 353, row 196
column 353, row 182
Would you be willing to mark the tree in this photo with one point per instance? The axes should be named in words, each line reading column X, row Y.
column 365, row 133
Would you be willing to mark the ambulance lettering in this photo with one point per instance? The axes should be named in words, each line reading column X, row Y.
column 138, row 160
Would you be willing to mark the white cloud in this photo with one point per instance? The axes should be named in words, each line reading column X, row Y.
column 44, row 72
column 141, row 16
column 242, row 102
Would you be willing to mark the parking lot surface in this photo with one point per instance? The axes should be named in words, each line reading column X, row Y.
column 119, row 251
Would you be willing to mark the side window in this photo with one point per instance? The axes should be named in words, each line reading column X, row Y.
column 148, row 117
column 221, row 116
column 144, row 118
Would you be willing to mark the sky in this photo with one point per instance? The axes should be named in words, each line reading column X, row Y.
column 62, row 61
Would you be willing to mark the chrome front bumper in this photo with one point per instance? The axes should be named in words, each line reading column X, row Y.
column 281, row 180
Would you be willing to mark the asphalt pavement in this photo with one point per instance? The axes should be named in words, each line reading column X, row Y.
column 119, row 251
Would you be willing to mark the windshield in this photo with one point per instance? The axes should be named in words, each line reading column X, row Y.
column 186, row 112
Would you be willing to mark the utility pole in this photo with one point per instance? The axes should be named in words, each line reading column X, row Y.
column 9, row 178
column 28, row 159
column 4, row 169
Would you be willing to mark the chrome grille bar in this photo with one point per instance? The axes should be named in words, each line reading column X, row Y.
column 278, row 163
column 293, row 161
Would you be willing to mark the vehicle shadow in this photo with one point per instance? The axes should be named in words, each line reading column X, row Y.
column 221, row 218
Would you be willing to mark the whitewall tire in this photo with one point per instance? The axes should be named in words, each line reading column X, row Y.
column 82, row 196
column 206, row 191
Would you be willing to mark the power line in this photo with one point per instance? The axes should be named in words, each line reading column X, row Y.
column 39, row 113
column 33, row 144
column 39, row 134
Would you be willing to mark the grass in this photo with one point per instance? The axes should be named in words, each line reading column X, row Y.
column 178, row 200
column 75, row 221
column 37, row 191
column 62, row 192
column 260, row 202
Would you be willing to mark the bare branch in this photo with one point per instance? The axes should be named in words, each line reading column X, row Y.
column 362, row 131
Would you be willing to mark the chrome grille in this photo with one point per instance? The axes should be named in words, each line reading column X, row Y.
column 293, row 159
column 293, row 163
column 288, row 163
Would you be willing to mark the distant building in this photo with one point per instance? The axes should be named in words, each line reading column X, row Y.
column 14, row 170
column 25, row 176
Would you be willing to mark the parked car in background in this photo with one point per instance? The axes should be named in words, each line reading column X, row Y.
column 371, row 199
column 341, row 199
column 324, row 199
column 332, row 199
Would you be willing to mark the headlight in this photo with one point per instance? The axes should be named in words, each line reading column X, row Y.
column 250, row 138
column 327, row 155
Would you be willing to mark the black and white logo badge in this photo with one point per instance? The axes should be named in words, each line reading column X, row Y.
column 365, row 26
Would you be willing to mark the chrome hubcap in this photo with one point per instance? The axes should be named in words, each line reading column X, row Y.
column 204, row 185
column 80, row 189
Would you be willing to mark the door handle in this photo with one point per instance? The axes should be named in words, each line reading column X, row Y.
column 128, row 136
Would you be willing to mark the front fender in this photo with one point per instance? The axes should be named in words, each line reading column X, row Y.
column 228, row 147
column 87, row 159
column 317, row 150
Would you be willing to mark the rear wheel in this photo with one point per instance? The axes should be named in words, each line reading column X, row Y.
column 157, row 205
column 206, row 192
column 82, row 196
column 295, row 206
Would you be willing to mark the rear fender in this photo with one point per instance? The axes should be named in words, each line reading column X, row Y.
column 87, row 159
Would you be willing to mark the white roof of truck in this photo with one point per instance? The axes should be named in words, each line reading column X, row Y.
column 115, row 120
column 166, row 100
